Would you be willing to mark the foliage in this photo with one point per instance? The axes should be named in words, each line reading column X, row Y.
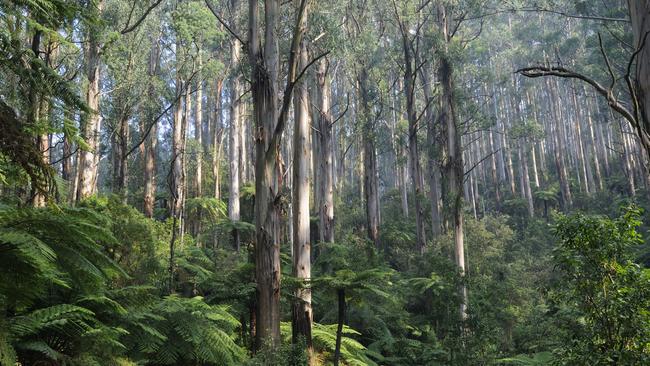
column 324, row 340
column 538, row 359
column 88, row 284
column 26, row 77
column 57, row 252
column 610, row 292
column 66, row 254
column 187, row 330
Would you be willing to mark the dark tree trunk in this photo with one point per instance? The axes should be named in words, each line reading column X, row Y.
column 370, row 186
column 270, row 122
column 340, row 294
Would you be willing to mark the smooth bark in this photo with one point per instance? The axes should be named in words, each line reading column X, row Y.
column 326, row 167
column 302, row 310
column 235, row 138
column 90, row 122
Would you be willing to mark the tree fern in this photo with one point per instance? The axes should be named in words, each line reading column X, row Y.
column 64, row 245
column 59, row 251
column 324, row 340
column 189, row 330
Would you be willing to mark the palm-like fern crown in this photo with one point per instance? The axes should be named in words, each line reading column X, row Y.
column 59, row 304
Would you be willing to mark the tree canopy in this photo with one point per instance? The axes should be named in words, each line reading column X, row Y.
column 345, row 182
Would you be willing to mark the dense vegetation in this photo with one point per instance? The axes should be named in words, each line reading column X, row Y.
column 189, row 182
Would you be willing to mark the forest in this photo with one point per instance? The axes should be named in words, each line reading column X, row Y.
column 341, row 182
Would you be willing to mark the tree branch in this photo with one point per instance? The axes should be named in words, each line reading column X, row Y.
column 539, row 71
column 129, row 28
column 607, row 63
column 292, row 79
column 230, row 30
column 155, row 120
column 347, row 106
column 466, row 175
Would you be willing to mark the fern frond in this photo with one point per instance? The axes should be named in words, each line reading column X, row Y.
column 324, row 340
column 42, row 348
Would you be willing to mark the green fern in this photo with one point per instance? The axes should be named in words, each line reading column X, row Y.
column 324, row 340
column 189, row 330
column 62, row 247
column 58, row 251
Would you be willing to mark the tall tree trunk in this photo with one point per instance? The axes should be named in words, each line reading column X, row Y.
column 120, row 159
column 176, row 183
column 409, row 90
column 270, row 123
column 66, row 160
column 187, row 116
column 583, row 156
column 640, row 17
column 302, row 311
column 217, row 137
column 401, row 158
column 533, row 146
column 498, row 146
column 627, row 158
column 526, row 178
column 567, row 200
column 315, row 142
column 469, row 183
column 198, row 137
column 177, row 154
column 453, row 161
column 38, row 112
column 44, row 147
column 403, row 177
column 235, row 126
column 508, row 153
column 326, row 174
column 244, row 155
column 495, row 179
column 432, row 155
column 370, row 191
column 340, row 295
column 151, row 142
column 594, row 149
column 151, row 146
column 90, row 122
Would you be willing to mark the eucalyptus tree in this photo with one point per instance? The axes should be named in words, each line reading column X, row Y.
column 452, row 163
column 640, row 84
column 325, row 174
column 235, row 123
column 90, row 126
column 126, row 81
column 150, row 134
column 270, row 120
column 625, row 93
column 366, row 58
column 411, row 49
column 325, row 35
column 302, row 315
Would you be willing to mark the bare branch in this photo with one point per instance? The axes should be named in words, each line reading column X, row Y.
column 466, row 175
column 347, row 106
column 609, row 65
column 539, row 71
column 230, row 30
column 129, row 28
column 292, row 79
column 155, row 120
